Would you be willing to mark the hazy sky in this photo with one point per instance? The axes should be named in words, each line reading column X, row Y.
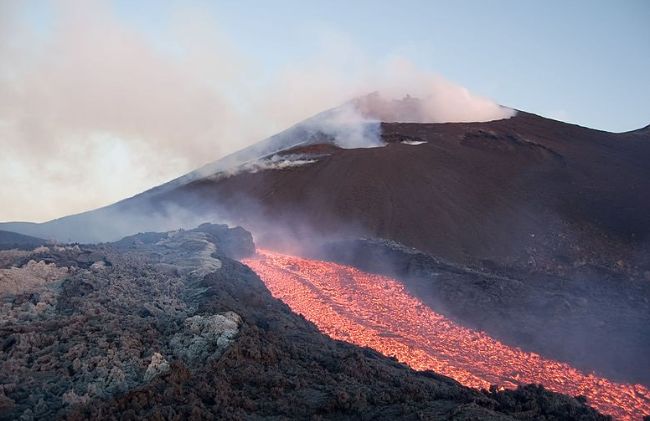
column 101, row 100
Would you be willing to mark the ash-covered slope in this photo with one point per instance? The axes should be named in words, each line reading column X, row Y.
column 525, row 191
column 351, row 125
column 168, row 326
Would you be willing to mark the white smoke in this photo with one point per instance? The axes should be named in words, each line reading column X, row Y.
column 274, row 162
column 348, row 127
column 408, row 94
column 94, row 105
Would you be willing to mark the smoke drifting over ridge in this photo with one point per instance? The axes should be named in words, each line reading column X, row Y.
column 355, row 124
column 94, row 96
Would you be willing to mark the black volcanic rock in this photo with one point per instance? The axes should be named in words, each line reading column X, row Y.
column 127, row 341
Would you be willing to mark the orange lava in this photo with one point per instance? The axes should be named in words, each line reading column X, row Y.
column 376, row 311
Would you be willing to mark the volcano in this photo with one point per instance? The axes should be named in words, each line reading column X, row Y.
column 524, row 191
column 532, row 230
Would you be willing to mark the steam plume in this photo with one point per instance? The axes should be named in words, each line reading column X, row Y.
column 96, row 106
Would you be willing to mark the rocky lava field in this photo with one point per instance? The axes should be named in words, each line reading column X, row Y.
column 169, row 326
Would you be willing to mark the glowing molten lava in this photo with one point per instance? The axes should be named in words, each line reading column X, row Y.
column 376, row 311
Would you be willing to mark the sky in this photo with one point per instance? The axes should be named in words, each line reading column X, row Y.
column 100, row 100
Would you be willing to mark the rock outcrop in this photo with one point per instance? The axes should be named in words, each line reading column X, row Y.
column 205, row 338
column 158, row 366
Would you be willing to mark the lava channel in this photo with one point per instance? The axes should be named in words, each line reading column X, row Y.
column 377, row 312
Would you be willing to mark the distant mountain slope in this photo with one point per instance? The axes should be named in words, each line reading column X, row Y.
column 13, row 240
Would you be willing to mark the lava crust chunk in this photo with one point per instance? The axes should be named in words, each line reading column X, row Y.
column 169, row 326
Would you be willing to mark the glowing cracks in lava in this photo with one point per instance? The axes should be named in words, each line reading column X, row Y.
column 376, row 311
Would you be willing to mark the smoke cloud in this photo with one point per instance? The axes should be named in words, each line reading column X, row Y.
column 93, row 110
column 348, row 126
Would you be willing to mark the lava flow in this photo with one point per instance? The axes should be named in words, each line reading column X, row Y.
column 377, row 311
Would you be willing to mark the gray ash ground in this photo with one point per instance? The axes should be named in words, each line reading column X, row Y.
column 170, row 326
